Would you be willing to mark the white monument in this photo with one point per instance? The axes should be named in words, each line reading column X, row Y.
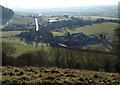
column 36, row 23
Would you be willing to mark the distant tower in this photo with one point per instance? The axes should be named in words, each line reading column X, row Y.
column 36, row 23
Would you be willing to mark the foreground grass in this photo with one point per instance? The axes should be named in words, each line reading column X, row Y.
column 57, row 76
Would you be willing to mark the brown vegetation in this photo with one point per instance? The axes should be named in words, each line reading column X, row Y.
column 56, row 76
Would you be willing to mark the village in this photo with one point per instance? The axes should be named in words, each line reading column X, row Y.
column 76, row 40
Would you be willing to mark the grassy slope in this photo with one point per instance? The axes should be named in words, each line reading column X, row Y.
column 96, row 17
column 10, row 33
column 21, row 47
column 97, row 28
column 19, row 19
column 57, row 33
column 57, row 76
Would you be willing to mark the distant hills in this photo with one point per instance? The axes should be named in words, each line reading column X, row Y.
column 103, row 11
column 6, row 14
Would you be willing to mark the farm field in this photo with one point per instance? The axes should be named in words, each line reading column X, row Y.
column 96, row 17
column 19, row 19
column 57, row 76
column 57, row 34
column 21, row 47
column 10, row 33
column 96, row 29
column 93, row 29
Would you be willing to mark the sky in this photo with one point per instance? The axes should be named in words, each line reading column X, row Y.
column 37, row 4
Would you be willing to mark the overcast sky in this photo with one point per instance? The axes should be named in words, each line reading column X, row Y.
column 37, row 4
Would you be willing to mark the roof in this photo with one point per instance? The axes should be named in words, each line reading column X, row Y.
column 78, row 34
column 53, row 20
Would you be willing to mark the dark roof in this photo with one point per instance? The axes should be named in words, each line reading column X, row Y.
column 78, row 34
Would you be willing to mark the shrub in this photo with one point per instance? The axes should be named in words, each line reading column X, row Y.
column 32, row 59
column 7, row 51
column 26, row 59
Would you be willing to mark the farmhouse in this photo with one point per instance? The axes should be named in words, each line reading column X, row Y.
column 53, row 20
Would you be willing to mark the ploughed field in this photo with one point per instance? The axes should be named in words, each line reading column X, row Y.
column 56, row 76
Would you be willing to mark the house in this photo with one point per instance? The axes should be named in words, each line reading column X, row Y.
column 53, row 20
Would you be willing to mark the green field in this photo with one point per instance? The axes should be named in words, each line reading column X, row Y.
column 96, row 28
column 10, row 33
column 92, row 29
column 21, row 47
column 96, row 17
column 57, row 34
column 19, row 19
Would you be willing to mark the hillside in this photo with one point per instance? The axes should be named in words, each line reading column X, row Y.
column 6, row 14
column 57, row 76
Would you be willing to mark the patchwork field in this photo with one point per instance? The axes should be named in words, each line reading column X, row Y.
column 57, row 76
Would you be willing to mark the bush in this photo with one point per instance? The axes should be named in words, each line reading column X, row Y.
column 26, row 59
column 7, row 51
column 41, row 58
column 8, row 61
column 32, row 59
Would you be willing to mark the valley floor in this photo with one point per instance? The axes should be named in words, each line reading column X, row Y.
column 56, row 76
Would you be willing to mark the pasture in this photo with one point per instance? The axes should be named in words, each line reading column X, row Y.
column 96, row 28
column 21, row 47
column 96, row 17
column 19, row 19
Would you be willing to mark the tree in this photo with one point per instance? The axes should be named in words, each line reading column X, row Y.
column 66, row 16
column 116, row 47
column 26, row 59
column 7, row 49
